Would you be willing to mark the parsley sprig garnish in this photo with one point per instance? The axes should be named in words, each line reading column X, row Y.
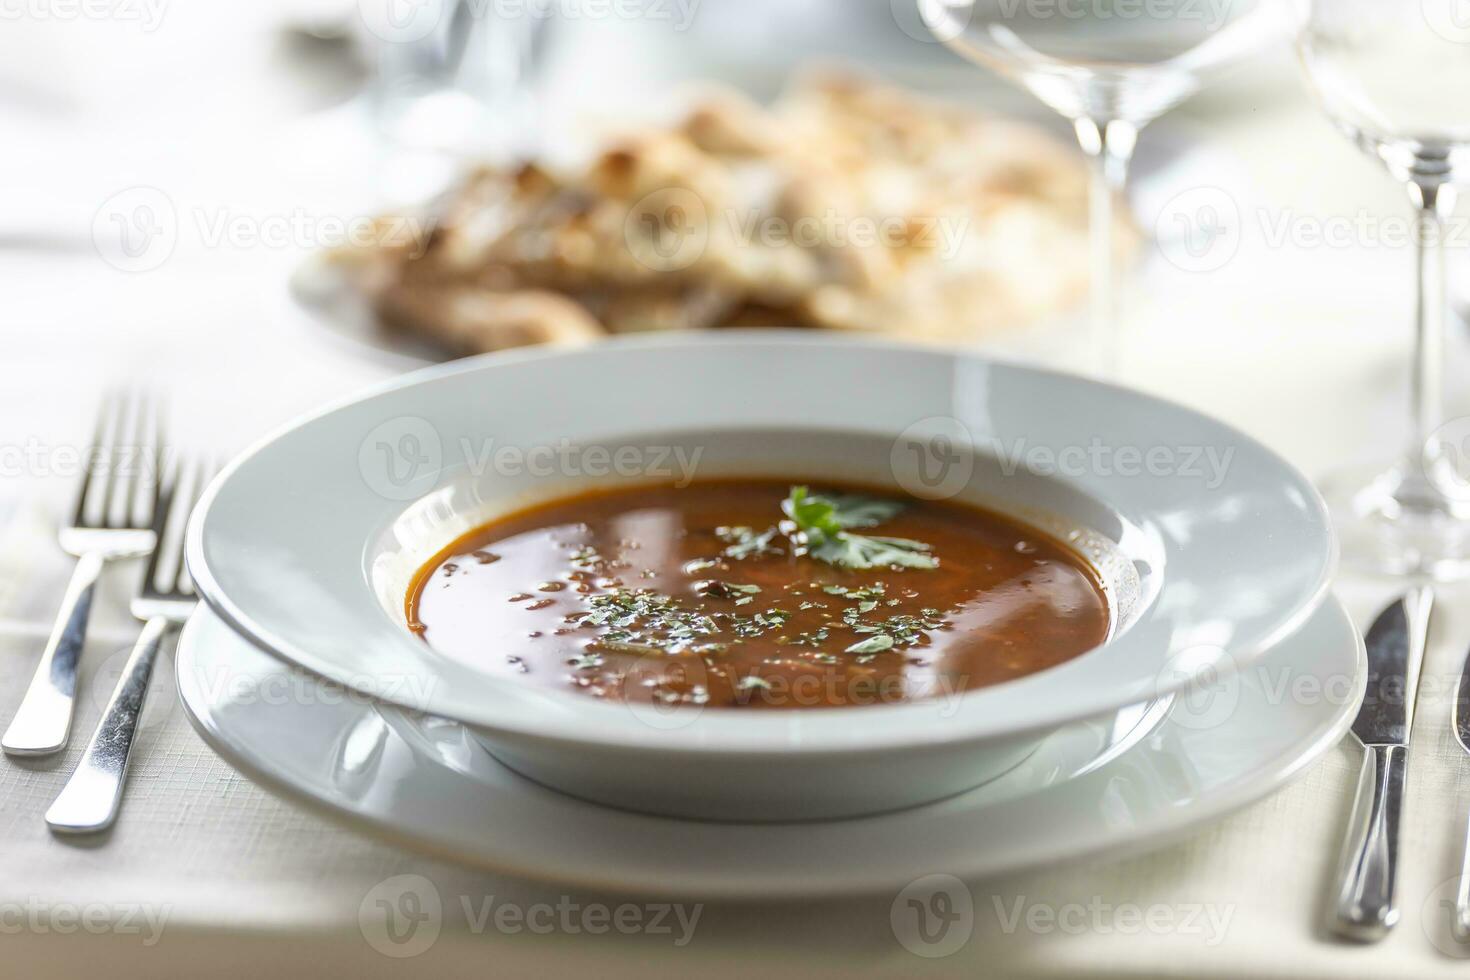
column 826, row 523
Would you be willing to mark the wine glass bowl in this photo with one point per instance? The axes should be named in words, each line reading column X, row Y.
column 1103, row 60
column 1110, row 67
column 1369, row 66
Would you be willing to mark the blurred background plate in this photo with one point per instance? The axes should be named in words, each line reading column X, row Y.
column 319, row 300
column 645, row 70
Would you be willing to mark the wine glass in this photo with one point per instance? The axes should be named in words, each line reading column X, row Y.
column 1390, row 76
column 1111, row 67
column 450, row 83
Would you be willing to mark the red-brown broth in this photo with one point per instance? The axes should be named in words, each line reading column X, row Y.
column 515, row 596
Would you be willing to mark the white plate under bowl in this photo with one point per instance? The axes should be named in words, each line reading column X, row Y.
column 426, row 783
column 1211, row 547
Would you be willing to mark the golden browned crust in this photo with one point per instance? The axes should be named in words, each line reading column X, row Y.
column 847, row 205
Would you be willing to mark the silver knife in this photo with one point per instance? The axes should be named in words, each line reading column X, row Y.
column 1461, row 922
column 1364, row 909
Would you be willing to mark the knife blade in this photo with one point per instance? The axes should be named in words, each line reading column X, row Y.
column 1395, row 644
column 1364, row 910
column 1460, row 720
column 1461, row 715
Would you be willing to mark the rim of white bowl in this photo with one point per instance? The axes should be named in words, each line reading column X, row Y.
column 577, row 718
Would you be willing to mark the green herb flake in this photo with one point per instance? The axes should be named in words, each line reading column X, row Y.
column 725, row 590
column 700, row 565
column 873, row 644
column 744, row 542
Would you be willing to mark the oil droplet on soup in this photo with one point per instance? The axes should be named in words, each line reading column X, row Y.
column 710, row 595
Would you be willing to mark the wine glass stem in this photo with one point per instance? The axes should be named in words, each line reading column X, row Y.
column 1434, row 201
column 512, row 46
column 1109, row 145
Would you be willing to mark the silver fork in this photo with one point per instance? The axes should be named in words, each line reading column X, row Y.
column 114, row 510
column 89, row 800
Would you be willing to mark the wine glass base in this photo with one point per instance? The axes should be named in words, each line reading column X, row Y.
column 1394, row 521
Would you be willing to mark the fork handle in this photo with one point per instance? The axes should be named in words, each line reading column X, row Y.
column 43, row 720
column 1365, row 909
column 89, row 800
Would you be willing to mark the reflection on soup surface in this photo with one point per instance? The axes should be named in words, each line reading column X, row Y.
column 758, row 594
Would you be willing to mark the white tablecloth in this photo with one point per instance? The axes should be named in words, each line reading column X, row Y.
column 1299, row 344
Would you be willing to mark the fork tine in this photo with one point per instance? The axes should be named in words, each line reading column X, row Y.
column 122, row 469
column 159, row 457
column 121, row 510
column 167, row 575
column 164, row 494
column 105, row 411
column 184, row 585
column 117, row 434
column 126, row 471
column 134, row 458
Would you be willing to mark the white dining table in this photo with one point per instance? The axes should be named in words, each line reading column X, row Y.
column 1296, row 330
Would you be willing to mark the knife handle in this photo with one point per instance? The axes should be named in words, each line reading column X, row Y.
column 1365, row 910
column 1460, row 924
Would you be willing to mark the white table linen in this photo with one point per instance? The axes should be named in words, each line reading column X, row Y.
column 1301, row 345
